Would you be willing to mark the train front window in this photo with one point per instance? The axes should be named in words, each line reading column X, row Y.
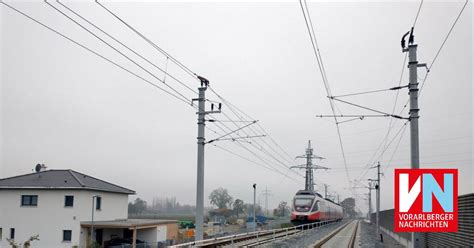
column 303, row 204
column 315, row 207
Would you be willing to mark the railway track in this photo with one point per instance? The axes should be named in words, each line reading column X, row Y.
column 254, row 239
column 344, row 236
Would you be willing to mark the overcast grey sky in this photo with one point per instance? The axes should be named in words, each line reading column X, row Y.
column 66, row 108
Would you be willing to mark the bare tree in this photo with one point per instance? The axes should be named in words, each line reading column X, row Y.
column 221, row 198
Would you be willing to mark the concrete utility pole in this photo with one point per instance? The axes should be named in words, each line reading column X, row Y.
column 377, row 188
column 201, row 141
column 92, row 222
column 325, row 191
column 254, row 206
column 309, row 167
column 370, row 202
column 413, row 65
column 413, row 89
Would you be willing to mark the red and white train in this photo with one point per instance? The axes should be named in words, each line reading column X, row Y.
column 309, row 206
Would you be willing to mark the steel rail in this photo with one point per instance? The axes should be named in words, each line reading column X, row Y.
column 327, row 238
column 257, row 237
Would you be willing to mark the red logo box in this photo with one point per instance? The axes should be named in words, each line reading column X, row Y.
column 426, row 200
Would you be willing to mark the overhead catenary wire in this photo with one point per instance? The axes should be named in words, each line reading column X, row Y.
column 169, row 57
column 442, row 44
column 395, row 150
column 115, row 49
column 94, row 52
column 233, row 131
column 148, row 40
column 260, row 146
column 221, row 126
column 317, row 53
column 371, row 91
column 233, row 109
column 242, row 116
column 391, row 141
column 247, row 149
column 429, row 69
column 99, row 55
column 257, row 145
column 370, row 109
column 390, row 124
column 417, row 14
column 254, row 162
column 177, row 62
column 128, row 48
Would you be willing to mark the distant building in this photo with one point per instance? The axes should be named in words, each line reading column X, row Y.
column 58, row 205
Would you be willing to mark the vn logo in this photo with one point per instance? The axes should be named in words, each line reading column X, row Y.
column 426, row 200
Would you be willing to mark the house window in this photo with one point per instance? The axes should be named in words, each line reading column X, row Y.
column 12, row 233
column 69, row 201
column 67, row 235
column 29, row 200
column 98, row 203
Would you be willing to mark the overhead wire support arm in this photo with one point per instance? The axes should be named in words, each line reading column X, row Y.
column 225, row 135
column 353, row 116
column 244, row 137
column 304, row 166
column 370, row 109
column 353, row 119
column 234, row 121
column 312, row 156
column 369, row 92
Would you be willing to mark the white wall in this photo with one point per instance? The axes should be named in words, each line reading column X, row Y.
column 162, row 232
column 50, row 217
column 147, row 234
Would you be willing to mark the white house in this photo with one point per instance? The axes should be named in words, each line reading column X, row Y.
column 58, row 205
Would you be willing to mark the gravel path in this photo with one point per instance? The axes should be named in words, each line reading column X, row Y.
column 367, row 238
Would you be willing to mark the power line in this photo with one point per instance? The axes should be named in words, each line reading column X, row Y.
column 438, row 52
column 130, row 49
column 161, row 50
column 94, row 52
column 322, row 70
column 181, row 65
column 254, row 162
column 370, row 109
column 115, row 49
column 236, row 111
column 369, row 92
column 251, row 152
column 417, row 14
column 260, row 145
column 383, row 151
column 396, row 148
column 428, row 144
column 262, row 149
column 442, row 44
